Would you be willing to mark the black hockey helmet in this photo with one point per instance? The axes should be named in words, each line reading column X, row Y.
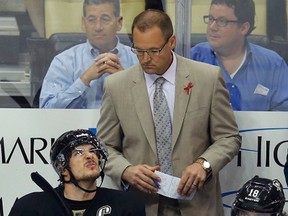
column 260, row 195
column 61, row 149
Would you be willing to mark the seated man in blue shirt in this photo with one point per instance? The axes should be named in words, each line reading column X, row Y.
column 75, row 76
column 255, row 76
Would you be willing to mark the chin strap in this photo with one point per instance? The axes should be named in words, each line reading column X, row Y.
column 73, row 181
column 102, row 175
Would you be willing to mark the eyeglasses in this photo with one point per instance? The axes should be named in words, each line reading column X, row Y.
column 150, row 52
column 78, row 152
column 104, row 20
column 221, row 22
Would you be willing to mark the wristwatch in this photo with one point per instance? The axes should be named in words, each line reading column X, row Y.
column 206, row 166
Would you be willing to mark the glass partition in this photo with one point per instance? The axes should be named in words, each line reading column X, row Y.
column 31, row 35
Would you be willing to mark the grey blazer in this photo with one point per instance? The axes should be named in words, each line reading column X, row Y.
column 204, row 126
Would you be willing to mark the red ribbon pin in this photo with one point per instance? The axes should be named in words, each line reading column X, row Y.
column 188, row 87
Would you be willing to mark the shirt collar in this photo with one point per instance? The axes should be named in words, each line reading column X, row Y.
column 169, row 75
column 248, row 49
column 95, row 52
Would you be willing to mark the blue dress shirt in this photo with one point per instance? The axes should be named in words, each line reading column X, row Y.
column 62, row 86
column 261, row 82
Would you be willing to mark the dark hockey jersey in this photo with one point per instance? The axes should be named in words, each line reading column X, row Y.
column 106, row 202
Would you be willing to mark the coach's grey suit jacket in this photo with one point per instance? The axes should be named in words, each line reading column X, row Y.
column 203, row 126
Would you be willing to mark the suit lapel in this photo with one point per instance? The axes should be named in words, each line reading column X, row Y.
column 142, row 106
column 183, row 91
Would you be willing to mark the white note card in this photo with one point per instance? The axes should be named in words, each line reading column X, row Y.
column 169, row 185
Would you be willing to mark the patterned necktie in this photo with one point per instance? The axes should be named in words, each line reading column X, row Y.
column 163, row 127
